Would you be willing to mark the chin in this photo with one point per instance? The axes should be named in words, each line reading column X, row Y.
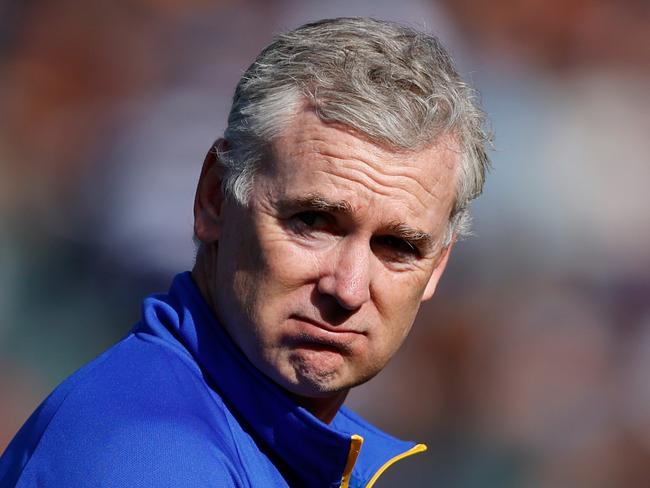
column 307, row 376
column 321, row 378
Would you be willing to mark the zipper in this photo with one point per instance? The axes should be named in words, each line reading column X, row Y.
column 356, row 442
column 414, row 450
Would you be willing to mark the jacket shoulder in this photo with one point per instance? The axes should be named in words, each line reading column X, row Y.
column 139, row 415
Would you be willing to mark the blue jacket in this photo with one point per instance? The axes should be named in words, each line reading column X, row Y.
column 176, row 404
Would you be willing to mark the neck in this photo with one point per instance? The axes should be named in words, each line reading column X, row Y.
column 324, row 408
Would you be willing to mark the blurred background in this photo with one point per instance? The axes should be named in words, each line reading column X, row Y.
column 529, row 368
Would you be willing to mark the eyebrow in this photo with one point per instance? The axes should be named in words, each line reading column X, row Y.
column 422, row 240
column 314, row 201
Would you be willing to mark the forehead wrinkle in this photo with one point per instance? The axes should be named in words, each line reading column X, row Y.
column 403, row 164
column 378, row 185
column 409, row 173
column 351, row 155
column 381, row 170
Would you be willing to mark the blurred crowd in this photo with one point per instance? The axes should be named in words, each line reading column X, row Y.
column 530, row 367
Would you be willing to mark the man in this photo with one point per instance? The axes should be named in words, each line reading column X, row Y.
column 325, row 216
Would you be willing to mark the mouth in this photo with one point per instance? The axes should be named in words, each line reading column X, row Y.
column 317, row 335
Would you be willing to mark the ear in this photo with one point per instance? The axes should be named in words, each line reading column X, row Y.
column 430, row 289
column 208, row 202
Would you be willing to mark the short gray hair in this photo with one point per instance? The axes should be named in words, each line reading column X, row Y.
column 389, row 82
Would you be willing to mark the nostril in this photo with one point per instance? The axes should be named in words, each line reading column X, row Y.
column 329, row 308
column 335, row 314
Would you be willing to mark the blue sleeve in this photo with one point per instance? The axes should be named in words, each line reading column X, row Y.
column 153, row 456
column 128, row 419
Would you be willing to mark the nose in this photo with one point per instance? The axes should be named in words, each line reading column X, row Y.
column 347, row 274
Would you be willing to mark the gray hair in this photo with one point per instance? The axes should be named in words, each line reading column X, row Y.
column 391, row 83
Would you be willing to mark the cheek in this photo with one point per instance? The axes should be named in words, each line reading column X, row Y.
column 273, row 281
column 397, row 307
column 288, row 266
column 399, row 325
column 399, row 297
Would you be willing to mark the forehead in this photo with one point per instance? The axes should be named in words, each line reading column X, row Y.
column 312, row 157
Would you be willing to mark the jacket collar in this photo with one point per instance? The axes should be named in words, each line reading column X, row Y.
column 314, row 453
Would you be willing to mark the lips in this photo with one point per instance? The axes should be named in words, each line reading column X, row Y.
column 308, row 331
column 326, row 327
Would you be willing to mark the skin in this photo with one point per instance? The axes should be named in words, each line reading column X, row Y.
column 318, row 280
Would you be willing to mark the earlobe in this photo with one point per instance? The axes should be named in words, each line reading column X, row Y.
column 208, row 202
column 437, row 272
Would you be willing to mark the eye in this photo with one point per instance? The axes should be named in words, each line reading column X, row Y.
column 309, row 221
column 395, row 248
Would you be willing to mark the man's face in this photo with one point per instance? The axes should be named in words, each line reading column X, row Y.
column 319, row 279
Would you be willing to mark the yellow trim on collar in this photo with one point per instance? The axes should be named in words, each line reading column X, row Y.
column 356, row 442
column 414, row 450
